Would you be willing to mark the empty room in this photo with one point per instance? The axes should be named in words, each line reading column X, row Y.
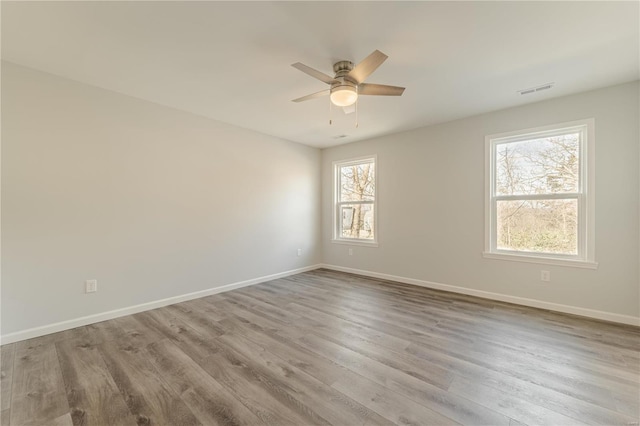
column 320, row 213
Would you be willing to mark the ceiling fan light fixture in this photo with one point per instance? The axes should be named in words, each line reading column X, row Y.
column 344, row 95
column 348, row 83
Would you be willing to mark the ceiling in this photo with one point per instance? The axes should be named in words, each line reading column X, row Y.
column 230, row 61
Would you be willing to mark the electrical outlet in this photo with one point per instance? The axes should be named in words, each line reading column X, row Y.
column 545, row 276
column 91, row 286
column 299, row 252
column 350, row 252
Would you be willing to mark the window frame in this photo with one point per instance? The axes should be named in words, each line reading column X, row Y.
column 585, row 196
column 336, row 237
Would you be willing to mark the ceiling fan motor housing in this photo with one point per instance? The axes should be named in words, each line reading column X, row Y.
column 344, row 90
column 342, row 68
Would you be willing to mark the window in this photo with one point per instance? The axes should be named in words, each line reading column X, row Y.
column 540, row 201
column 355, row 201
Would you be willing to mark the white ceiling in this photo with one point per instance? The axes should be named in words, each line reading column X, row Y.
column 230, row 61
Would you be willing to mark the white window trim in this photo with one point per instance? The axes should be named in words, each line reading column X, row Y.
column 336, row 232
column 586, row 230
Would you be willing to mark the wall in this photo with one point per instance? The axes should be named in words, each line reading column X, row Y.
column 431, row 207
column 150, row 201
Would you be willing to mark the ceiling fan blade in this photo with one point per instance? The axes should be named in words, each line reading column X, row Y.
column 367, row 66
column 349, row 109
column 313, row 96
column 313, row 73
column 380, row 90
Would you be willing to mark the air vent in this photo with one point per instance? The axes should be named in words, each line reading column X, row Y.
column 536, row 89
column 340, row 136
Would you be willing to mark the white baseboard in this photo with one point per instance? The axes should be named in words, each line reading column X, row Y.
column 103, row 316
column 591, row 313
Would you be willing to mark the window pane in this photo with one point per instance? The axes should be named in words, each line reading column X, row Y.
column 543, row 226
column 357, row 182
column 356, row 221
column 538, row 166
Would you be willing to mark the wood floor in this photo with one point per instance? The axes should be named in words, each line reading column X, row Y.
column 325, row 347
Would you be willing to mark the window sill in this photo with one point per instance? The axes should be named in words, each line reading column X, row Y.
column 356, row 242
column 542, row 260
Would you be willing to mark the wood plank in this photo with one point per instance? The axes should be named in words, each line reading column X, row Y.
column 629, row 403
column 192, row 343
column 395, row 407
column 196, row 319
column 5, row 417
column 203, row 306
column 332, row 327
column 93, row 396
column 518, row 409
column 344, row 330
column 593, row 351
column 64, row 420
column 377, row 346
column 255, row 292
column 407, row 331
column 7, row 355
column 332, row 405
column 401, row 361
column 124, row 329
column 146, row 394
column 268, row 309
column 271, row 399
column 307, row 361
column 586, row 366
column 256, row 316
column 38, row 395
column 523, row 389
column 574, row 387
column 208, row 400
column 459, row 409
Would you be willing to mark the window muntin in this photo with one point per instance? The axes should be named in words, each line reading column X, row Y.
column 540, row 193
column 355, row 200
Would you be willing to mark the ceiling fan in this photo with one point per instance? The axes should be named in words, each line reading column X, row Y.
column 348, row 82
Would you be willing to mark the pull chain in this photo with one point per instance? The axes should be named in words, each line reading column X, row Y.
column 356, row 108
column 330, row 121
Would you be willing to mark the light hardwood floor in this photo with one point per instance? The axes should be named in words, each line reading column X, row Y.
column 325, row 347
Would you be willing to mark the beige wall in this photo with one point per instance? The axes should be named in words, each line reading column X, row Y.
column 151, row 201
column 431, row 205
